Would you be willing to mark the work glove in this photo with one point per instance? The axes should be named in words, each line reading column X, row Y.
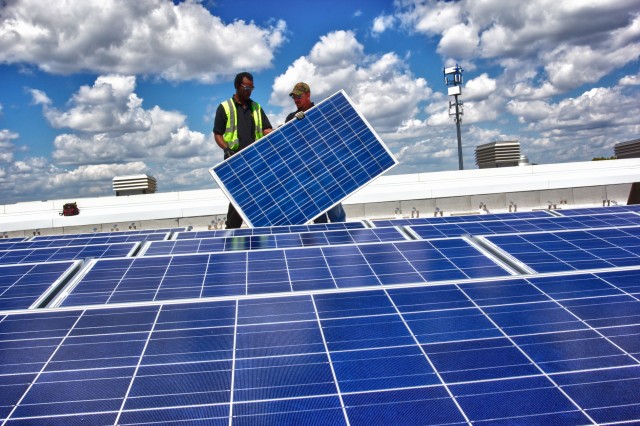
column 228, row 152
column 299, row 115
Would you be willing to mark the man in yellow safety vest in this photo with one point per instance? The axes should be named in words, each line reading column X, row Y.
column 239, row 122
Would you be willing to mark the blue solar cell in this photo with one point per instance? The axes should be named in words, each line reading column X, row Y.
column 29, row 285
column 304, row 358
column 493, row 225
column 266, row 241
column 572, row 250
column 330, row 153
column 66, row 253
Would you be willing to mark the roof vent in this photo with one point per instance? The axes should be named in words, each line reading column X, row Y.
column 134, row 184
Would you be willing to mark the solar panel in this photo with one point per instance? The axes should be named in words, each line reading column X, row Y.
column 153, row 278
column 572, row 250
column 85, row 241
column 30, row 285
column 67, row 253
column 302, row 169
column 312, row 227
column 525, row 225
column 129, row 232
column 539, row 350
column 262, row 242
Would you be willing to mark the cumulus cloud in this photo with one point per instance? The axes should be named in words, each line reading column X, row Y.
column 381, row 86
column 122, row 36
column 382, row 23
column 110, row 133
column 7, row 146
column 572, row 43
column 479, row 88
column 110, row 124
column 630, row 80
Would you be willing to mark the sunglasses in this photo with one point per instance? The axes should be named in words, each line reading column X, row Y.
column 247, row 88
column 296, row 96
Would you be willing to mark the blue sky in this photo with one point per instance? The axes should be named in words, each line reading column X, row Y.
column 90, row 89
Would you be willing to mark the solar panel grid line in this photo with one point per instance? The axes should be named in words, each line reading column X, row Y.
column 395, row 269
column 586, row 324
column 67, row 253
column 312, row 193
column 40, row 372
column 387, row 292
column 527, row 356
column 431, row 364
column 275, row 241
column 137, row 368
column 328, row 354
column 576, row 249
column 27, row 286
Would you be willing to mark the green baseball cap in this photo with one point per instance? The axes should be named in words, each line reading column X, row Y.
column 300, row 88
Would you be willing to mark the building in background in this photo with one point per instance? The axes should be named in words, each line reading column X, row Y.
column 629, row 149
column 499, row 154
column 134, row 185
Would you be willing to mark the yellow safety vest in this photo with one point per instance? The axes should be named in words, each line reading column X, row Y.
column 231, row 132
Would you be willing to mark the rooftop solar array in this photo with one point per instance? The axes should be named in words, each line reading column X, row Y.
column 521, row 321
column 156, row 278
column 548, row 350
column 270, row 241
column 526, row 225
column 302, row 169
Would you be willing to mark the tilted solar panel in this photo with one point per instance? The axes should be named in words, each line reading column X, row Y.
column 302, row 169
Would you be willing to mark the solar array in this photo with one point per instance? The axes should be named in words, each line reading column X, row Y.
column 277, row 240
column 299, row 171
column 525, row 319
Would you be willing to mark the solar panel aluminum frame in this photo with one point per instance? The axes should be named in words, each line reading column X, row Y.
column 256, row 145
column 51, row 291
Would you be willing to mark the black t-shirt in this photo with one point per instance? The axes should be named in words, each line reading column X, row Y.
column 246, row 126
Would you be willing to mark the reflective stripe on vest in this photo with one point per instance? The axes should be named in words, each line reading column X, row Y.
column 231, row 132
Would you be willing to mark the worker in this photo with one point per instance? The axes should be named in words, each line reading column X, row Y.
column 239, row 122
column 301, row 95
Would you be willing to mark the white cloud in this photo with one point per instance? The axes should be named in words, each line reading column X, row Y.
column 7, row 147
column 154, row 37
column 111, row 134
column 39, row 97
column 630, row 80
column 479, row 88
column 110, row 124
column 573, row 42
column 382, row 87
column 382, row 23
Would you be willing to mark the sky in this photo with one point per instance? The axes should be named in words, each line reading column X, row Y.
column 93, row 89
